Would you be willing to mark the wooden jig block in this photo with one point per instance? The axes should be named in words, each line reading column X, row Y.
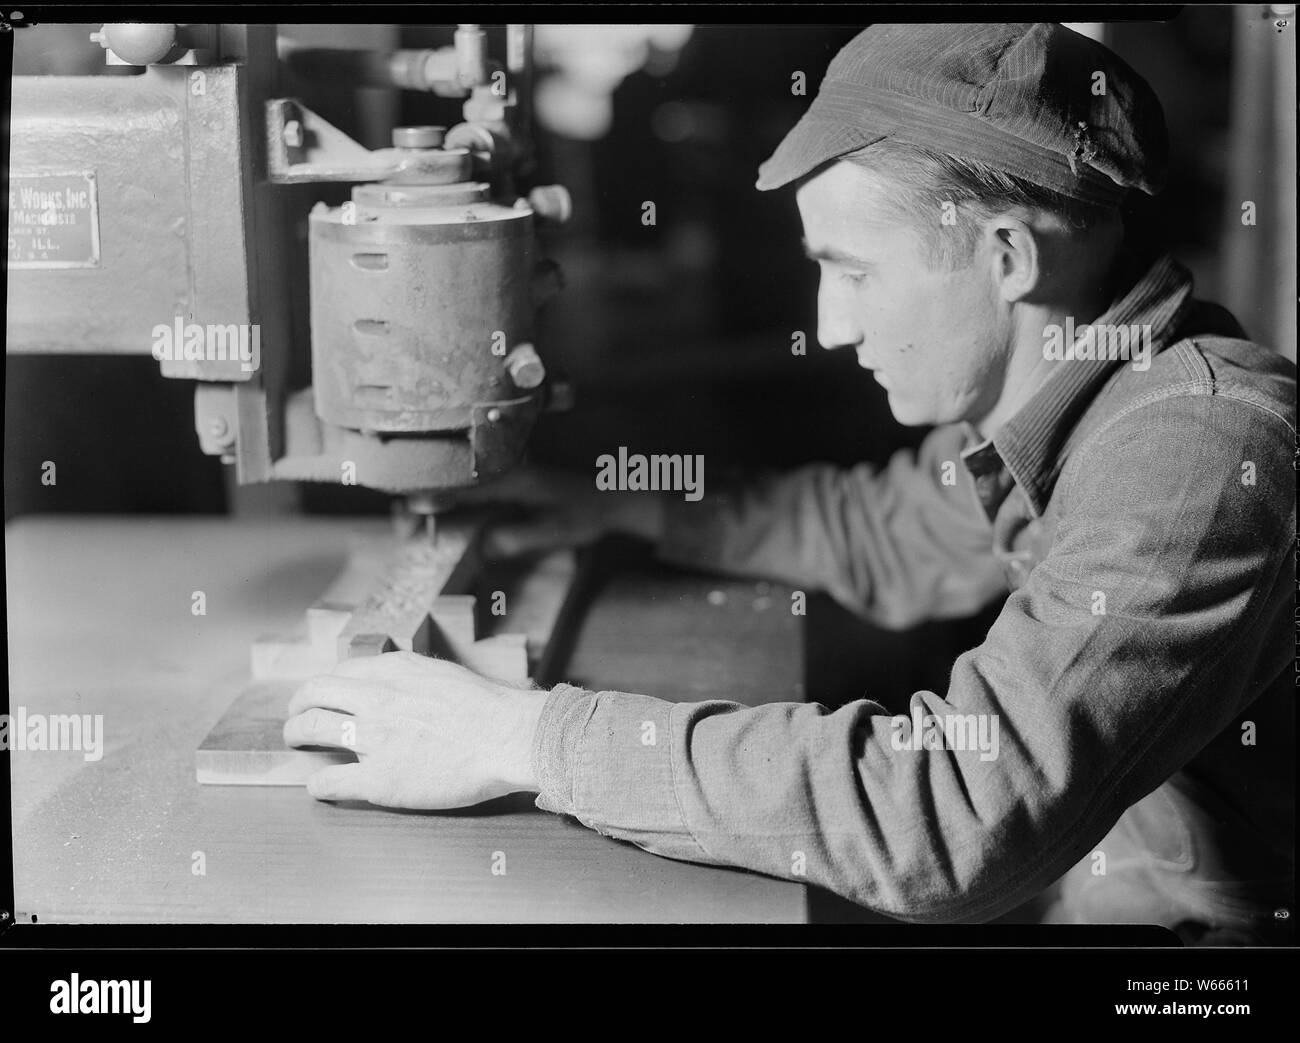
column 391, row 595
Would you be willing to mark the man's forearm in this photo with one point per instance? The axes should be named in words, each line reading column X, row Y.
column 789, row 790
column 895, row 545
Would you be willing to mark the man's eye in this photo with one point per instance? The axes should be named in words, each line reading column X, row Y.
column 854, row 278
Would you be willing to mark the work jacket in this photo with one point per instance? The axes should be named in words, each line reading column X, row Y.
column 1125, row 730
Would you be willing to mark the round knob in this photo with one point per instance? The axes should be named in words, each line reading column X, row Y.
column 138, row 43
column 525, row 367
column 418, row 137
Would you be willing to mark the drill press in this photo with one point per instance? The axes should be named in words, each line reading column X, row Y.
column 425, row 377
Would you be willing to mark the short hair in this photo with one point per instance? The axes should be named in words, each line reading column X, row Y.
column 921, row 181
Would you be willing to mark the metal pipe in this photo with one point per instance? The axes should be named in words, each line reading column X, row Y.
column 471, row 55
column 519, row 67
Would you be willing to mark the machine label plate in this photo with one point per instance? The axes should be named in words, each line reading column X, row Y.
column 53, row 220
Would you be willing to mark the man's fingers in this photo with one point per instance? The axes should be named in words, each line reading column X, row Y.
column 340, row 782
column 346, row 688
column 317, row 727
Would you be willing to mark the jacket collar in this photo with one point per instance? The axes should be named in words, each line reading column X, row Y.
column 1029, row 445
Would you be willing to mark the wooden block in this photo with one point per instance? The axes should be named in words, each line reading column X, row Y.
column 246, row 747
column 289, row 656
column 389, row 596
column 402, row 599
column 370, row 644
column 325, row 621
column 453, row 614
column 534, row 598
column 504, row 658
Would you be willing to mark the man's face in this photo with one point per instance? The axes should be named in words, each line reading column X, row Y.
column 936, row 341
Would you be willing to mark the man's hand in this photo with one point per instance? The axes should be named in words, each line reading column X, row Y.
column 566, row 510
column 429, row 734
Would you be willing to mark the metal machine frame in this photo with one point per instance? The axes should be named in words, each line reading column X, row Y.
column 194, row 166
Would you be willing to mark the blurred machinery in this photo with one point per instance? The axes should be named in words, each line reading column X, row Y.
column 157, row 213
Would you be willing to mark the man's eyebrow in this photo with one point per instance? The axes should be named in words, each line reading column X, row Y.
column 830, row 253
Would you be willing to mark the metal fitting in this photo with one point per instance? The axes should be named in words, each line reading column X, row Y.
column 137, row 43
column 551, row 203
column 471, row 55
column 418, row 137
column 525, row 367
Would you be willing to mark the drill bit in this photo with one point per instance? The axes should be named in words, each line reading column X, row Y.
column 421, row 507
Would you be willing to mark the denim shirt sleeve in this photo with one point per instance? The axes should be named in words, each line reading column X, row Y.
column 897, row 545
column 1093, row 709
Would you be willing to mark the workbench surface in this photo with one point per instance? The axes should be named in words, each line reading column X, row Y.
column 100, row 622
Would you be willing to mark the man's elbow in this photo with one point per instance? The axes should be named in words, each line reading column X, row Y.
column 943, row 880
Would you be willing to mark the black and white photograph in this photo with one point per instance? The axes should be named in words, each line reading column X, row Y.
column 825, row 478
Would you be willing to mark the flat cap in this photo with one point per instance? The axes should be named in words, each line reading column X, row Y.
column 1035, row 100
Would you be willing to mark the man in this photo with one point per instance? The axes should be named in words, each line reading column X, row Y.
column 1109, row 456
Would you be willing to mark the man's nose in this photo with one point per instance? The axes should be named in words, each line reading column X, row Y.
column 836, row 326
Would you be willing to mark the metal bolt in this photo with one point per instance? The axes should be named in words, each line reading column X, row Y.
column 418, row 137
column 525, row 366
column 493, row 415
column 293, row 134
column 219, row 428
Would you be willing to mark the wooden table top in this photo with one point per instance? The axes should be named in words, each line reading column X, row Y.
column 100, row 622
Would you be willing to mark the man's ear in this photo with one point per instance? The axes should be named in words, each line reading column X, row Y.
column 1014, row 249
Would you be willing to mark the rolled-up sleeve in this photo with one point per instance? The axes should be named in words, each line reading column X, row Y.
column 1116, row 662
